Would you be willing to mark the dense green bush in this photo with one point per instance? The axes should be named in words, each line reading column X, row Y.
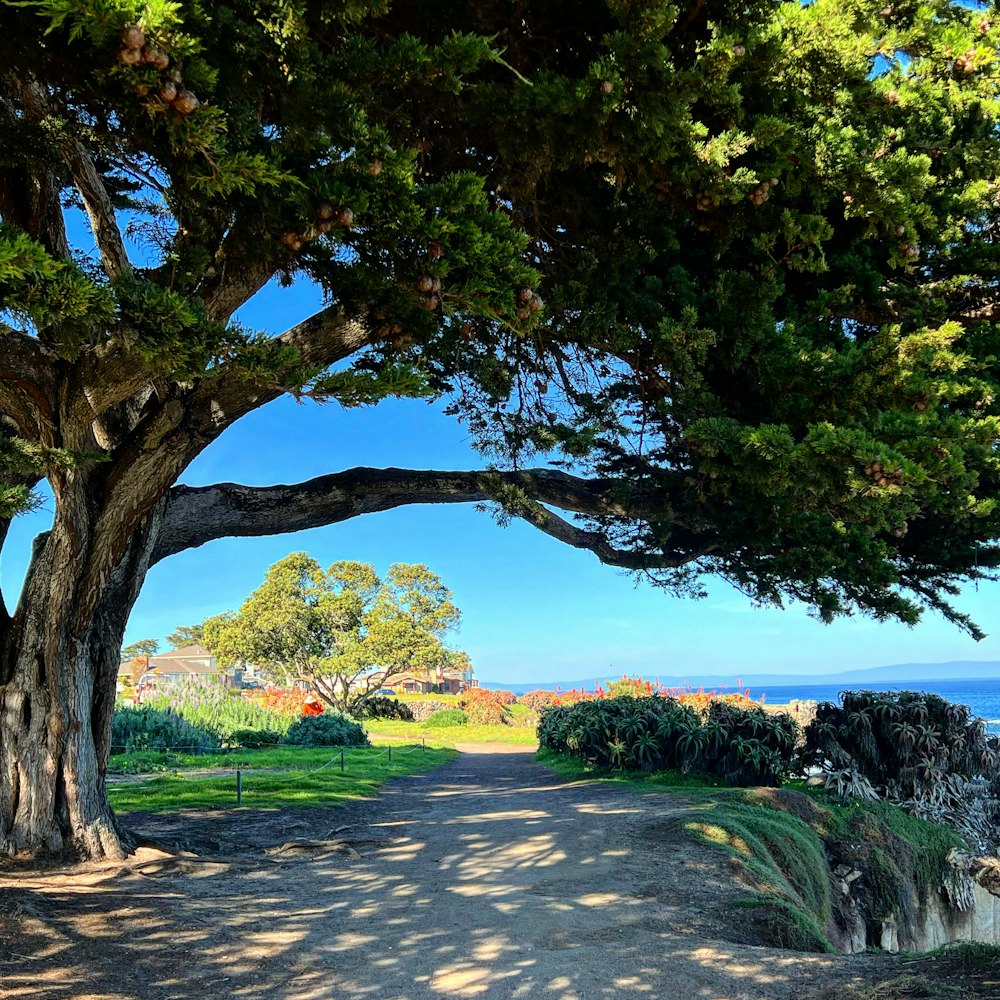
column 254, row 739
column 915, row 749
column 448, row 717
column 737, row 745
column 148, row 727
column 381, row 707
column 327, row 730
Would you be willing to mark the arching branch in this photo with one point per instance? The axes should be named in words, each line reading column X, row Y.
column 196, row 515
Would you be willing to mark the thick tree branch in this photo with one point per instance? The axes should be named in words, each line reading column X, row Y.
column 329, row 336
column 27, row 382
column 88, row 182
column 29, row 192
column 106, row 376
column 234, row 281
column 196, row 515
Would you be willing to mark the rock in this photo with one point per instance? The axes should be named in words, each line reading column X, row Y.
column 890, row 935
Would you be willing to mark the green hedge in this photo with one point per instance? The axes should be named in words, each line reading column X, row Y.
column 736, row 745
column 327, row 730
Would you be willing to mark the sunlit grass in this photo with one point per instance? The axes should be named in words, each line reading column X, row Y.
column 448, row 736
column 300, row 786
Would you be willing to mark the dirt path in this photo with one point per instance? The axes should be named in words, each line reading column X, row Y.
column 486, row 878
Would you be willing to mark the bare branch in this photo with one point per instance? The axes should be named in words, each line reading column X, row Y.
column 196, row 515
column 233, row 282
column 88, row 182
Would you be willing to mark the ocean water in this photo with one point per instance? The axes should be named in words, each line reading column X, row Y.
column 982, row 696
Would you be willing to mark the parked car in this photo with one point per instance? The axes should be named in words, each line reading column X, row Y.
column 385, row 693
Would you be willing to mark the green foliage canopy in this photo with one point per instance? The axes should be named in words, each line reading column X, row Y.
column 736, row 264
column 142, row 648
column 344, row 630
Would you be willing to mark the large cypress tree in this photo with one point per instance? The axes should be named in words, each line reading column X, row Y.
column 724, row 272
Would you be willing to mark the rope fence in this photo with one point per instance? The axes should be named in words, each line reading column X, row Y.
column 197, row 750
column 340, row 759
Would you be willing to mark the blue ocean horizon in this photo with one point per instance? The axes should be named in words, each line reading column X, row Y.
column 980, row 694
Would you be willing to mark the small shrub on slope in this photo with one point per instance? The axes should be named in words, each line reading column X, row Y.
column 381, row 707
column 448, row 717
column 487, row 708
column 537, row 700
column 917, row 750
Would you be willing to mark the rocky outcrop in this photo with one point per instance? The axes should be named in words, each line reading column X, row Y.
column 423, row 710
column 966, row 908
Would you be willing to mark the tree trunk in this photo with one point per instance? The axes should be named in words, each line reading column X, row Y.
column 59, row 658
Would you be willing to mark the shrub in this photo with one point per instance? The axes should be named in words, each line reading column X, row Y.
column 573, row 697
column 328, row 730
column 254, row 739
column 702, row 700
column 284, row 701
column 739, row 747
column 159, row 728
column 917, row 750
column 381, row 707
column 448, row 717
column 537, row 700
column 634, row 686
column 212, row 706
column 487, row 708
column 504, row 697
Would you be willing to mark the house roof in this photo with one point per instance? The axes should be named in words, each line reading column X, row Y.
column 192, row 651
column 180, row 665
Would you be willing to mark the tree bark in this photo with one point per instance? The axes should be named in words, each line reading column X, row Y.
column 59, row 658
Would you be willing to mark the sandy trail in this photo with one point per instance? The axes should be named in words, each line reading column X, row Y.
column 485, row 878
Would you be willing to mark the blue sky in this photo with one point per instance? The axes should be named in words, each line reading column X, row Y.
column 534, row 609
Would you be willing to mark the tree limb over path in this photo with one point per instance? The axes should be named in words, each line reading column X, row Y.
column 196, row 515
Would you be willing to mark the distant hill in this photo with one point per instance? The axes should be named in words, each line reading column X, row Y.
column 895, row 673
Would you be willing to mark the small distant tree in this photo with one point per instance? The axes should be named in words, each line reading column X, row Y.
column 144, row 648
column 135, row 668
column 186, row 635
column 344, row 630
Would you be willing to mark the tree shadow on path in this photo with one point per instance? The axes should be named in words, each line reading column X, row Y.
column 486, row 878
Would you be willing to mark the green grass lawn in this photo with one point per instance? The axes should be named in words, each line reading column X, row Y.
column 576, row 768
column 299, row 785
column 448, row 736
